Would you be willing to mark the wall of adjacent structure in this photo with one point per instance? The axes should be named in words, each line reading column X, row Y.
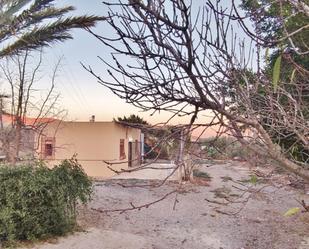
column 92, row 142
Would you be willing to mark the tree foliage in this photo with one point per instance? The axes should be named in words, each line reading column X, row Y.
column 31, row 24
column 287, row 66
column 133, row 119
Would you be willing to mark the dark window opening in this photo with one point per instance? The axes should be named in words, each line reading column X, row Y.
column 122, row 150
column 48, row 150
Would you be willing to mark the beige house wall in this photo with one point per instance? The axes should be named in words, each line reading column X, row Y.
column 92, row 143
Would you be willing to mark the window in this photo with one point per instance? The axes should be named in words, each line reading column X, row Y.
column 122, row 151
column 48, row 148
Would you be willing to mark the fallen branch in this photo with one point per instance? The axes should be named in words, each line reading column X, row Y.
column 304, row 205
column 134, row 207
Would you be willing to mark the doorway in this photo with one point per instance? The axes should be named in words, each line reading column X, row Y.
column 130, row 148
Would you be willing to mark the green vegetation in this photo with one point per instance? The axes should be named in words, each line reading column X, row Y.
column 201, row 174
column 286, row 66
column 37, row 202
column 223, row 148
column 222, row 192
column 132, row 119
column 253, row 179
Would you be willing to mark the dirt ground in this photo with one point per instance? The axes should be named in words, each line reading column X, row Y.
column 232, row 211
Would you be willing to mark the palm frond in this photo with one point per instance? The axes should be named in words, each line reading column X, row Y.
column 20, row 27
column 39, row 5
column 48, row 34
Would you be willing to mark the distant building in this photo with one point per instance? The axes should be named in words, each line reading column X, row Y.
column 29, row 135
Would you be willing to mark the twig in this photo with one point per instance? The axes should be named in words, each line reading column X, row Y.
column 134, row 207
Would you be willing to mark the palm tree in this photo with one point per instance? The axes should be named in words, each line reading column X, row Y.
column 31, row 24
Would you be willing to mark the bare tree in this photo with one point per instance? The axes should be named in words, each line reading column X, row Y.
column 169, row 56
column 26, row 109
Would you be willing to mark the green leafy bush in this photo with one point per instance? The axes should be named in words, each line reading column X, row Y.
column 37, row 202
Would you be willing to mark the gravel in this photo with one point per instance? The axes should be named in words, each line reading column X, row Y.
column 197, row 217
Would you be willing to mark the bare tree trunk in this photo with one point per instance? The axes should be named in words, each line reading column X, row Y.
column 180, row 157
column 275, row 153
column 17, row 141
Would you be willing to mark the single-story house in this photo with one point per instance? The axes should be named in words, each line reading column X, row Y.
column 96, row 145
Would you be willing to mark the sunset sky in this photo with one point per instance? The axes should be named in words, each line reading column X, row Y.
column 80, row 93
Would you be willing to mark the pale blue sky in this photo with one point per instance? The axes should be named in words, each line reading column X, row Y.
column 81, row 95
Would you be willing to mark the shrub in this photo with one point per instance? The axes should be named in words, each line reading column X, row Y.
column 201, row 174
column 224, row 148
column 37, row 202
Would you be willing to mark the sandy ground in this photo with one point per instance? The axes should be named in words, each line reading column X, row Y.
column 158, row 171
column 201, row 219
